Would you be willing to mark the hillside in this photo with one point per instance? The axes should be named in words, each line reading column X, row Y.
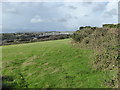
column 50, row 64
column 104, row 42
column 88, row 60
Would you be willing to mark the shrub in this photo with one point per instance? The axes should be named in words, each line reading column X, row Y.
column 104, row 42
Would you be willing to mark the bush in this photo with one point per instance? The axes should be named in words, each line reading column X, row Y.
column 104, row 42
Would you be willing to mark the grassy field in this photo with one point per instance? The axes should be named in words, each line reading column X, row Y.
column 50, row 64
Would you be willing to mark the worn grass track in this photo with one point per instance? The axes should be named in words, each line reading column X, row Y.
column 49, row 64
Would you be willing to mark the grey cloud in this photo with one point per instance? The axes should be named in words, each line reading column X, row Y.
column 86, row 15
column 65, row 18
column 76, row 17
column 62, row 20
column 68, row 16
column 118, row 12
column 10, row 10
column 110, row 13
column 54, row 16
column 87, row 3
column 72, row 7
column 99, row 7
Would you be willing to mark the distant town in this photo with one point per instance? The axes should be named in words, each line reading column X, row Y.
column 25, row 37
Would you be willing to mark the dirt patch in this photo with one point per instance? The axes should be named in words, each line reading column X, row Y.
column 46, row 64
column 56, row 70
column 30, row 61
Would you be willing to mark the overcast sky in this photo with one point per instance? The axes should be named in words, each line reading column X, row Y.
column 56, row 16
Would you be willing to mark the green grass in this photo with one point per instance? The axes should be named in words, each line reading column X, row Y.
column 49, row 64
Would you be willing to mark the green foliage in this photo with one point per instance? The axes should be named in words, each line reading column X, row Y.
column 104, row 42
column 87, row 27
column 111, row 25
column 79, row 35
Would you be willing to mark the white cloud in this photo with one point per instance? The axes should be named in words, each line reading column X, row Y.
column 36, row 19
column 0, row 26
column 68, row 15
column 111, row 12
column 111, row 5
column 77, row 16
column 59, row 0
column 11, row 10
column 87, row 15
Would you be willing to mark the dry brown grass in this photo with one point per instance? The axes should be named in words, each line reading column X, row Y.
column 30, row 61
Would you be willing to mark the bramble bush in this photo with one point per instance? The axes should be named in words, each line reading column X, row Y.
column 104, row 42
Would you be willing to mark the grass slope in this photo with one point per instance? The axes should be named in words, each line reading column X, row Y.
column 49, row 64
